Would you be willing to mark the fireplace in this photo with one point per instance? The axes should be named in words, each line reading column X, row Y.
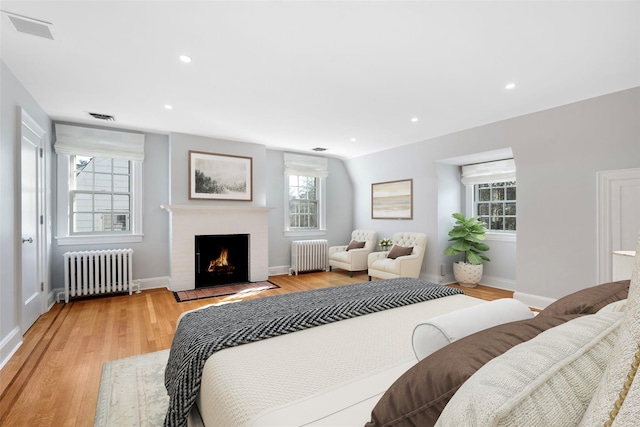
column 221, row 259
column 187, row 221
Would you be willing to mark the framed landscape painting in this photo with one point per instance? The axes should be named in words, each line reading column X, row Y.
column 392, row 200
column 220, row 176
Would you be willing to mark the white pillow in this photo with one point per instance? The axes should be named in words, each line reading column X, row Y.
column 433, row 334
column 620, row 306
column 547, row 381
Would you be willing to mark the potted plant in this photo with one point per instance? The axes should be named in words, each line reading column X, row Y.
column 468, row 237
column 385, row 244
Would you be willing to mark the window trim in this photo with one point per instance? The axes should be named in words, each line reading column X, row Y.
column 491, row 235
column 321, row 191
column 64, row 237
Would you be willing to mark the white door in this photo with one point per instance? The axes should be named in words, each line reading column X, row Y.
column 32, row 143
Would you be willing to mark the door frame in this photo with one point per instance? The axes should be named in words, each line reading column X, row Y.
column 609, row 184
column 41, row 234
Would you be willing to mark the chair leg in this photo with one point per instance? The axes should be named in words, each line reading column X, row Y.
column 329, row 268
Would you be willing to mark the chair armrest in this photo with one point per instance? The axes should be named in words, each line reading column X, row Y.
column 374, row 256
column 410, row 265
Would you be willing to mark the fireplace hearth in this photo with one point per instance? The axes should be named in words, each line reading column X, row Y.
column 221, row 259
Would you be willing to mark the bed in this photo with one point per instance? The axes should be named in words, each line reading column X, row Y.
column 337, row 373
column 282, row 377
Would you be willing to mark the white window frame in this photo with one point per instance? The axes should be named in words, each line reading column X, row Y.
column 64, row 236
column 491, row 235
column 486, row 173
column 313, row 166
column 301, row 232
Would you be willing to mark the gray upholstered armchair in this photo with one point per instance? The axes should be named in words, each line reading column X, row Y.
column 409, row 265
column 353, row 258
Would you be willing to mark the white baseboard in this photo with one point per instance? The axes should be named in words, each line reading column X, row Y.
column 138, row 284
column 154, row 282
column 9, row 345
column 494, row 282
column 431, row 278
column 499, row 283
column 279, row 270
column 534, row 301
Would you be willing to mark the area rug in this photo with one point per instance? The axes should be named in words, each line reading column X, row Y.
column 219, row 291
column 132, row 391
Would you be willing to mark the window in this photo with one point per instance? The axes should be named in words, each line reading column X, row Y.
column 303, row 202
column 304, row 194
column 491, row 194
column 495, row 205
column 99, row 185
column 100, row 195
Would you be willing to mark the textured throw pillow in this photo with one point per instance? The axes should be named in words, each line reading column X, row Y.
column 619, row 374
column 398, row 251
column 435, row 333
column 418, row 397
column 589, row 300
column 547, row 381
column 355, row 245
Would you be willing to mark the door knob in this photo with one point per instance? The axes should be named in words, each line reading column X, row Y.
column 29, row 240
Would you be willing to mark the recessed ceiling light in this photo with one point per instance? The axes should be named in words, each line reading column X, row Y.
column 353, row 140
column 414, row 119
column 184, row 58
column 510, row 86
column 168, row 107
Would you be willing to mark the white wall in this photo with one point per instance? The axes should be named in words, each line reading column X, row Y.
column 14, row 97
column 557, row 153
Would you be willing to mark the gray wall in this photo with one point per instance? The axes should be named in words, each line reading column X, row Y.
column 557, row 153
column 151, row 256
column 181, row 143
column 14, row 96
column 268, row 190
column 339, row 210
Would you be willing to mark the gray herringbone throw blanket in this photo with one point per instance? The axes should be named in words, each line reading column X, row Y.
column 203, row 332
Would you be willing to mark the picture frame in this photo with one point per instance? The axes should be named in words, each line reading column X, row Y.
column 392, row 199
column 214, row 176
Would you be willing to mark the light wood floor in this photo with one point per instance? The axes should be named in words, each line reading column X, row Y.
column 54, row 377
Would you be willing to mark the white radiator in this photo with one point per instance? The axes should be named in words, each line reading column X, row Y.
column 309, row 255
column 97, row 272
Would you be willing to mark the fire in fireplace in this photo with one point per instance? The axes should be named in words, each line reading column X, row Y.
column 221, row 259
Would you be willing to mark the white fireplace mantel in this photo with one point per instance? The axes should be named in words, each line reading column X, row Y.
column 188, row 221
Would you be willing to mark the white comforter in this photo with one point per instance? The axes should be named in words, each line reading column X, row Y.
column 328, row 375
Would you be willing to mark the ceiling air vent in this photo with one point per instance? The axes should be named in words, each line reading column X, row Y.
column 319, row 149
column 106, row 117
column 34, row 27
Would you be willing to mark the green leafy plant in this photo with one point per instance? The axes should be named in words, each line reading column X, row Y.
column 467, row 236
column 385, row 243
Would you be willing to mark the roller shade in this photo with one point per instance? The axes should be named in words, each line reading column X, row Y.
column 486, row 173
column 79, row 140
column 298, row 164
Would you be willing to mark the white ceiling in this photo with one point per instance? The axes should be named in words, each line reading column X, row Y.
column 298, row 75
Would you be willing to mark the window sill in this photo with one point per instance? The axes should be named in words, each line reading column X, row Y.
column 302, row 233
column 92, row 240
column 500, row 237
